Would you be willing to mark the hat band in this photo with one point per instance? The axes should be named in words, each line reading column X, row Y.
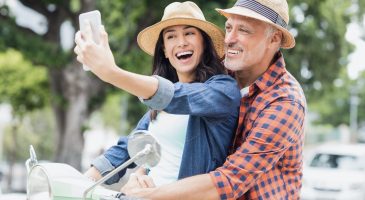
column 262, row 10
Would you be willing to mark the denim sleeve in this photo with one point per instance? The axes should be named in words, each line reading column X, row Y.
column 217, row 97
column 118, row 154
column 163, row 95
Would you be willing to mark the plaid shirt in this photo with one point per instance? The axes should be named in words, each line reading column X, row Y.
column 267, row 162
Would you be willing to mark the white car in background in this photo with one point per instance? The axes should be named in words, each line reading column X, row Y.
column 335, row 172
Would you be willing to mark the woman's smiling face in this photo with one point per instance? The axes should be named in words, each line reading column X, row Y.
column 183, row 46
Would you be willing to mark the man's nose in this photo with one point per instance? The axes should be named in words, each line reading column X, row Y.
column 231, row 37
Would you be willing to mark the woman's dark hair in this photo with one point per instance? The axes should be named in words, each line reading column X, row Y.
column 209, row 65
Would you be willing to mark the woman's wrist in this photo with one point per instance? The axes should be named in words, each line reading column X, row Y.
column 112, row 74
column 93, row 174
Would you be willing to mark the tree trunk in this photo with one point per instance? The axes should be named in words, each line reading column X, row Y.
column 73, row 89
column 12, row 154
column 77, row 87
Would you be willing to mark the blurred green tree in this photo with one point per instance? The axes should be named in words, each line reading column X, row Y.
column 320, row 57
column 321, row 49
column 334, row 106
column 316, row 61
column 73, row 93
column 21, row 83
column 22, row 86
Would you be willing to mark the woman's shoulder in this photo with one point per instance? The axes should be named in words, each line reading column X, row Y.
column 222, row 77
column 223, row 80
column 225, row 83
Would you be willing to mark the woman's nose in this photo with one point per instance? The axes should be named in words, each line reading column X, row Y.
column 182, row 41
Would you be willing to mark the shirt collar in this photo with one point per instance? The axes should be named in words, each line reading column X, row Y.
column 271, row 75
column 245, row 91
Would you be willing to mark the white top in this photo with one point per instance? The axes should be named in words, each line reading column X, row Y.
column 244, row 91
column 170, row 131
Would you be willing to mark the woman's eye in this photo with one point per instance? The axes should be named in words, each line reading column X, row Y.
column 190, row 33
column 169, row 37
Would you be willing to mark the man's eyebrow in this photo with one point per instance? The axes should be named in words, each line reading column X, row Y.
column 243, row 26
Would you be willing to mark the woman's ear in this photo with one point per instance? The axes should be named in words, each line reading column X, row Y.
column 164, row 51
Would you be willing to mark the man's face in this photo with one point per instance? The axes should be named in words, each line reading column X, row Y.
column 246, row 44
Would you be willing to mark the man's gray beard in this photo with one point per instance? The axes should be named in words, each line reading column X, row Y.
column 226, row 65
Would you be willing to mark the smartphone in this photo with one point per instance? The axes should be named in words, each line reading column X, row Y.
column 94, row 18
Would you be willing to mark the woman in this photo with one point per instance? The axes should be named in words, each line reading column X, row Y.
column 194, row 104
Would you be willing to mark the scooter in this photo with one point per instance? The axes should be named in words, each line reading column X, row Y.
column 58, row 181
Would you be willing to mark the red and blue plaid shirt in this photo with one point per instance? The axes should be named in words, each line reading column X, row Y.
column 267, row 162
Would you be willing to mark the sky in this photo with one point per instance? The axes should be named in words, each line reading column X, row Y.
column 38, row 23
column 357, row 60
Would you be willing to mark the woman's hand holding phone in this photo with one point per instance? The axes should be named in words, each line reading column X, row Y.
column 92, row 49
column 94, row 18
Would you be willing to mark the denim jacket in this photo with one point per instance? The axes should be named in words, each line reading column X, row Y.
column 213, row 107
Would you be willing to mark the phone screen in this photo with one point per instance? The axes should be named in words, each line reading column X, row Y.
column 94, row 18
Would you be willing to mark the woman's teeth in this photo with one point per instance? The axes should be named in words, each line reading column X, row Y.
column 184, row 54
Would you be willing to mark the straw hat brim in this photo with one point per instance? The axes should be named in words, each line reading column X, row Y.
column 148, row 37
column 288, row 39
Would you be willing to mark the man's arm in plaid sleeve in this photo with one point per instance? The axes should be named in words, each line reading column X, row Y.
column 266, row 144
column 275, row 130
column 197, row 187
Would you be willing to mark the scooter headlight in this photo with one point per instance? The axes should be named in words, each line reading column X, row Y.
column 38, row 186
column 53, row 181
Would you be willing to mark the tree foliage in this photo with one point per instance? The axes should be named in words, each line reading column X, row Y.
column 73, row 93
column 334, row 105
column 321, row 49
column 36, row 128
column 316, row 61
column 22, row 85
column 319, row 59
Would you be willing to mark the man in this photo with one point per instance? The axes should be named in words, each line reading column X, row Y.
column 266, row 161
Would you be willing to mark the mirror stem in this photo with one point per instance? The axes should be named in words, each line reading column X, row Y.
column 147, row 149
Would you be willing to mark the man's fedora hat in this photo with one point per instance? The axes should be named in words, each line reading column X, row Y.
column 186, row 13
column 274, row 12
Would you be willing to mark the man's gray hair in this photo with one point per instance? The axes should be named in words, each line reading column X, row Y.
column 270, row 30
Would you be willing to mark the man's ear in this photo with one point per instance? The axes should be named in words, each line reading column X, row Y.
column 276, row 39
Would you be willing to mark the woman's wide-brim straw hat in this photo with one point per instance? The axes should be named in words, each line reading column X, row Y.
column 274, row 12
column 186, row 13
